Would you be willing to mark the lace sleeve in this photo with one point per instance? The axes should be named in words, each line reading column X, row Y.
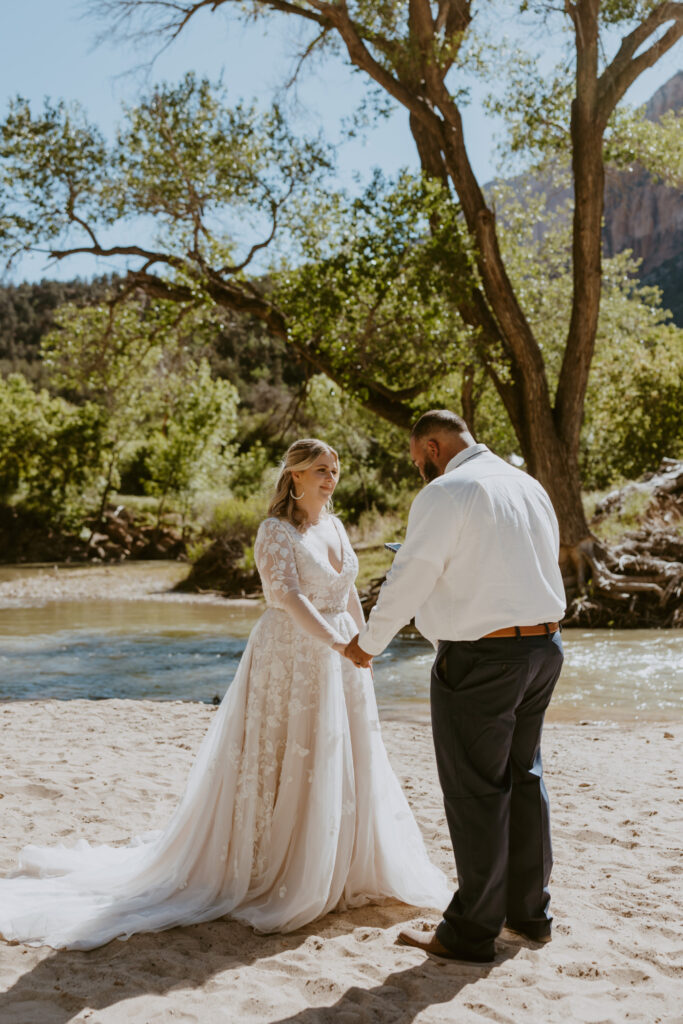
column 276, row 563
column 355, row 608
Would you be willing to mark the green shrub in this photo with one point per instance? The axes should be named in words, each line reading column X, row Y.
column 249, row 470
column 49, row 452
column 237, row 518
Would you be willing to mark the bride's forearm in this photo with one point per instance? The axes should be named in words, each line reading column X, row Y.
column 307, row 616
column 355, row 609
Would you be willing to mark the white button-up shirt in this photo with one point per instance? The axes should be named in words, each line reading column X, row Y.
column 480, row 554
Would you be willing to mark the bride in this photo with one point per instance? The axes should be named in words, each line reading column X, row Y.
column 291, row 809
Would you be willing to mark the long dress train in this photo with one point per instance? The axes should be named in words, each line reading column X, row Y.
column 291, row 807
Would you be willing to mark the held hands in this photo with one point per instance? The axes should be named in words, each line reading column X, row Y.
column 356, row 654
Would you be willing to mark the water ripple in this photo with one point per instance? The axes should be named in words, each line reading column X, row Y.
column 608, row 675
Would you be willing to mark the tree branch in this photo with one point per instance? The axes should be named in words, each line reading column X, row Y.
column 235, row 269
column 119, row 250
column 86, row 227
column 196, row 205
column 306, row 54
column 363, row 59
column 453, row 17
column 180, row 14
column 284, row 7
column 382, row 400
column 625, row 68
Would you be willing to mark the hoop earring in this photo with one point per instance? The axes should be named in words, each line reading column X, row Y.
column 297, row 497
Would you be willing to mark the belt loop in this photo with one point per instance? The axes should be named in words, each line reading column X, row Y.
column 518, row 632
column 547, row 629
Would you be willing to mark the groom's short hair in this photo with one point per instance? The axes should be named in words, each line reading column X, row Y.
column 438, row 420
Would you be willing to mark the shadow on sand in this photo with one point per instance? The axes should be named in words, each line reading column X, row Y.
column 401, row 996
column 65, row 982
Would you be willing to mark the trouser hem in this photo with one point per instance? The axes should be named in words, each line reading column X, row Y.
column 448, row 937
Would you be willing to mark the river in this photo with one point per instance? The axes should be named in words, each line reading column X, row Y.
column 164, row 649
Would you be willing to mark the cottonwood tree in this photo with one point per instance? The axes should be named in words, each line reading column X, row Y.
column 414, row 52
column 211, row 178
column 409, row 49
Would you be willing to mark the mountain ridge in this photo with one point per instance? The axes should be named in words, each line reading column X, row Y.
column 640, row 214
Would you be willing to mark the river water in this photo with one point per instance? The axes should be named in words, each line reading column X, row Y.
column 179, row 650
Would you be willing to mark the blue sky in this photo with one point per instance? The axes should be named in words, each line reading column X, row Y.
column 47, row 49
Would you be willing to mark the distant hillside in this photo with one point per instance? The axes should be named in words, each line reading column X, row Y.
column 641, row 215
column 27, row 311
column 669, row 277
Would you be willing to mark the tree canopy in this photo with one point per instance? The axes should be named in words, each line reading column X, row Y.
column 203, row 172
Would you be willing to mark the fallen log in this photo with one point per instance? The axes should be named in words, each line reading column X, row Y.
column 637, row 581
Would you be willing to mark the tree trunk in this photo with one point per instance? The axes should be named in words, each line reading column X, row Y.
column 526, row 397
column 587, row 129
column 555, row 467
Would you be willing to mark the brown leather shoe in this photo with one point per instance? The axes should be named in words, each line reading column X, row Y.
column 429, row 944
column 532, row 930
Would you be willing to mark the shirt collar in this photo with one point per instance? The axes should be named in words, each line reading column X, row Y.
column 464, row 456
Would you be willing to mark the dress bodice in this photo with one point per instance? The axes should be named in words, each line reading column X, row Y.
column 287, row 562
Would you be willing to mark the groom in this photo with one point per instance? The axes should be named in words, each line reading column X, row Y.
column 479, row 571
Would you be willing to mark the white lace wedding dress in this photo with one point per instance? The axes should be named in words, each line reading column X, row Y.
column 291, row 808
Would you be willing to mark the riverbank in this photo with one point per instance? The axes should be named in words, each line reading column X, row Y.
column 104, row 769
column 36, row 585
column 634, row 560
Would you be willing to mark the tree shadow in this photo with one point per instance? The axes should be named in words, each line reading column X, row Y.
column 402, row 995
column 65, row 982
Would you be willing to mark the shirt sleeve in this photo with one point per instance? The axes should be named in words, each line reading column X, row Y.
column 417, row 566
column 276, row 563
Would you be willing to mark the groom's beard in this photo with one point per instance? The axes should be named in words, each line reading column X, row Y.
column 430, row 470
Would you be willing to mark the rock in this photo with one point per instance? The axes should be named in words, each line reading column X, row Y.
column 640, row 214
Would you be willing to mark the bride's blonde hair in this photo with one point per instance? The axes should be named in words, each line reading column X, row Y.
column 299, row 456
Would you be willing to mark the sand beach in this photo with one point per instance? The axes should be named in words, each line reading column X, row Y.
column 106, row 769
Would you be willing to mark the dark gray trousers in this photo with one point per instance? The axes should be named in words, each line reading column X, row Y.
column 488, row 701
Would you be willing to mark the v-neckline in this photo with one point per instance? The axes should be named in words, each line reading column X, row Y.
column 340, row 570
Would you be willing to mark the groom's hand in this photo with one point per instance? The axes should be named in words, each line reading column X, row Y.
column 356, row 654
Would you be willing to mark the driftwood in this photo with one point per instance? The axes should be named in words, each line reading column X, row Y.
column 638, row 581
column 117, row 537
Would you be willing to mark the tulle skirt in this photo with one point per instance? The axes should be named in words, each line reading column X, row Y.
column 291, row 810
